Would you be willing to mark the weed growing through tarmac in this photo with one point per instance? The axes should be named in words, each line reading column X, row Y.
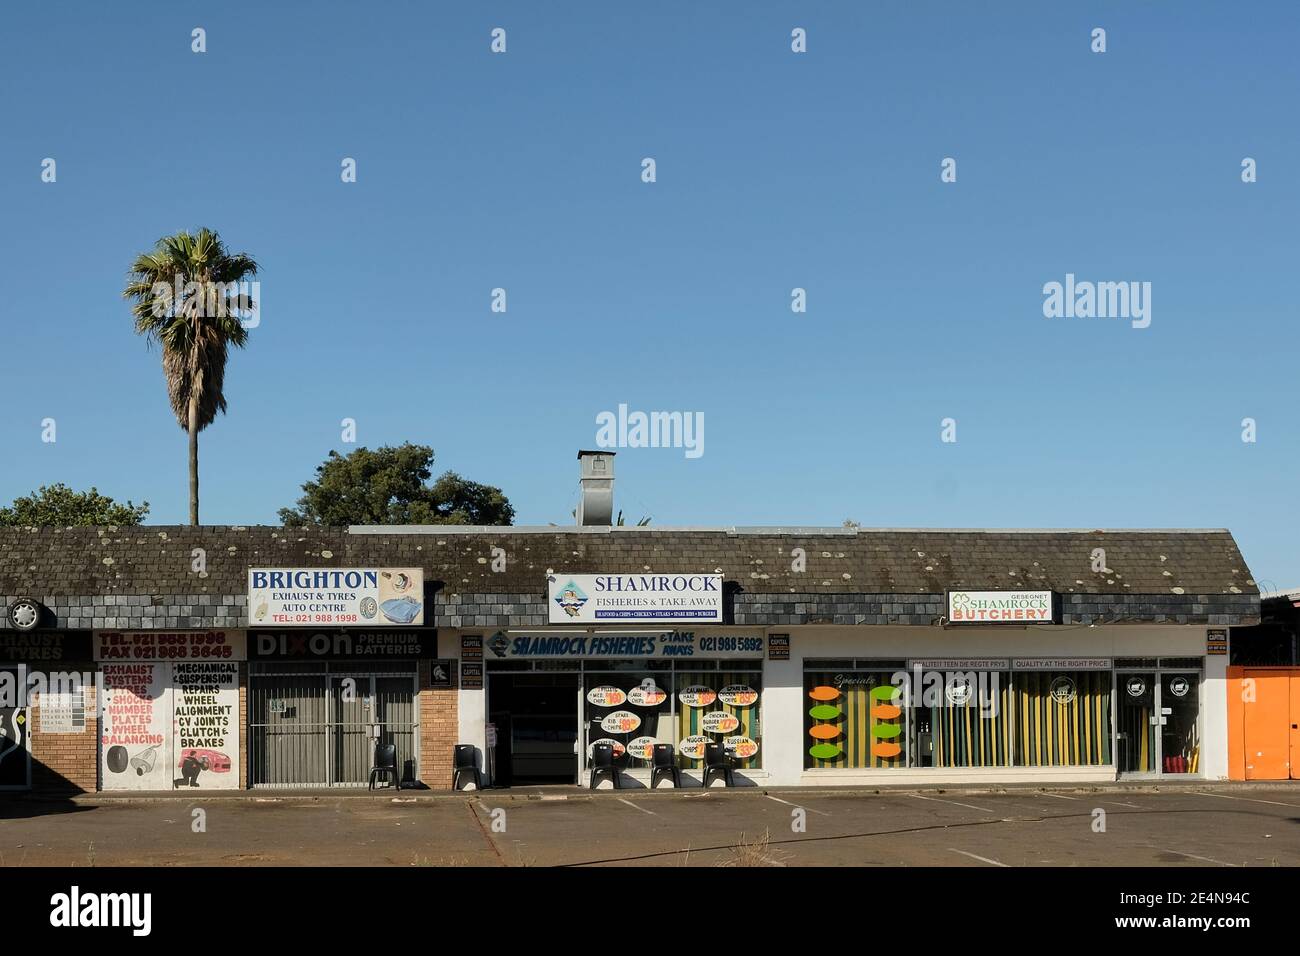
column 417, row 860
column 756, row 852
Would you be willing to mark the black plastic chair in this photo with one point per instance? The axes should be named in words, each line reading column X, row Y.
column 385, row 764
column 464, row 760
column 716, row 761
column 664, row 760
column 602, row 761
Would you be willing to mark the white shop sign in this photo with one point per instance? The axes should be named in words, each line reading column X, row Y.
column 324, row 597
column 1061, row 664
column 1000, row 607
column 630, row 598
column 960, row 664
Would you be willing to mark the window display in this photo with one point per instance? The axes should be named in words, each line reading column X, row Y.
column 853, row 719
column 1063, row 718
column 634, row 709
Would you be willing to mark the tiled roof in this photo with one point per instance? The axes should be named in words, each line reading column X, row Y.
column 160, row 560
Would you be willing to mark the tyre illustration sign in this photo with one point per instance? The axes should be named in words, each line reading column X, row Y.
column 135, row 730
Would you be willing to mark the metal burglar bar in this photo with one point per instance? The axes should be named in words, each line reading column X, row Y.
column 288, row 730
column 312, row 726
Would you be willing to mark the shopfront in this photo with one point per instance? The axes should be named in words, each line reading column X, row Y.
column 551, row 696
column 798, row 714
column 170, row 714
column 826, row 657
column 320, row 702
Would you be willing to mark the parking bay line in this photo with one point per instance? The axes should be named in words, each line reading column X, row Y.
column 954, row 803
column 789, row 804
column 1193, row 856
column 982, row 859
column 635, row 807
column 1224, row 796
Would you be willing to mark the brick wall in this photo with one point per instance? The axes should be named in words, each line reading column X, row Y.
column 66, row 762
column 438, row 727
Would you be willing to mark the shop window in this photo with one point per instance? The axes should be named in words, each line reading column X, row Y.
column 964, row 720
column 853, row 720
column 719, row 706
column 1180, row 741
column 631, row 709
column 1062, row 718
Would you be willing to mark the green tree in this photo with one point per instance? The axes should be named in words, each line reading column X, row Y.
column 59, row 506
column 390, row 486
column 187, row 295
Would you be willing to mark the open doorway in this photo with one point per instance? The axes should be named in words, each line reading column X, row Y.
column 536, row 716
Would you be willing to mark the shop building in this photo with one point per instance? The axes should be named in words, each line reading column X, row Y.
column 816, row 656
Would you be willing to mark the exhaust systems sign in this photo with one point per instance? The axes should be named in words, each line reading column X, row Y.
column 1000, row 607
column 629, row 598
column 334, row 597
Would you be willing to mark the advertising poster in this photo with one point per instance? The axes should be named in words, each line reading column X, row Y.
column 205, row 741
column 136, row 728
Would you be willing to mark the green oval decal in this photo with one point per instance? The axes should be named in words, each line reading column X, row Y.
column 886, row 730
column 824, row 751
column 824, row 712
column 884, row 692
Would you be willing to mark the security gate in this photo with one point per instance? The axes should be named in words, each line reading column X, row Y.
column 318, row 725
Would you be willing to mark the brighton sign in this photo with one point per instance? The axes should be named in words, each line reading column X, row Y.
column 335, row 597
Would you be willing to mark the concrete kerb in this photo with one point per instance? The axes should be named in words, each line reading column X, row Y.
column 520, row 795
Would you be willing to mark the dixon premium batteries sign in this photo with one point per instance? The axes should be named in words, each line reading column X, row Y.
column 316, row 597
column 629, row 598
column 1000, row 607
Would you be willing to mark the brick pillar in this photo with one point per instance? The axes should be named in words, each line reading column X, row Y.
column 438, row 727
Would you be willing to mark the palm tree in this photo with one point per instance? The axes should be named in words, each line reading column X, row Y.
column 188, row 295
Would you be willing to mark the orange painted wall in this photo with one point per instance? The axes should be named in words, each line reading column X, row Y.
column 1259, row 731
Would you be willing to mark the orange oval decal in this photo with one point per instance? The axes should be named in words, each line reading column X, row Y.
column 824, row 693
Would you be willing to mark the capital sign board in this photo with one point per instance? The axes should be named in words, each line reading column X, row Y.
column 629, row 598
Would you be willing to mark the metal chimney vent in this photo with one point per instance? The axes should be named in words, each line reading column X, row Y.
column 596, row 476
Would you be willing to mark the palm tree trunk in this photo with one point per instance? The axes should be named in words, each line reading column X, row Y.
column 194, row 461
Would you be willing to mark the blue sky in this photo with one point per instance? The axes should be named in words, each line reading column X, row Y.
column 775, row 171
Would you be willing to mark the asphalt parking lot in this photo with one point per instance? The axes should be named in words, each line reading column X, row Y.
column 1188, row 826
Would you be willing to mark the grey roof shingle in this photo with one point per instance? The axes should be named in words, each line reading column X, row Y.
column 158, row 560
